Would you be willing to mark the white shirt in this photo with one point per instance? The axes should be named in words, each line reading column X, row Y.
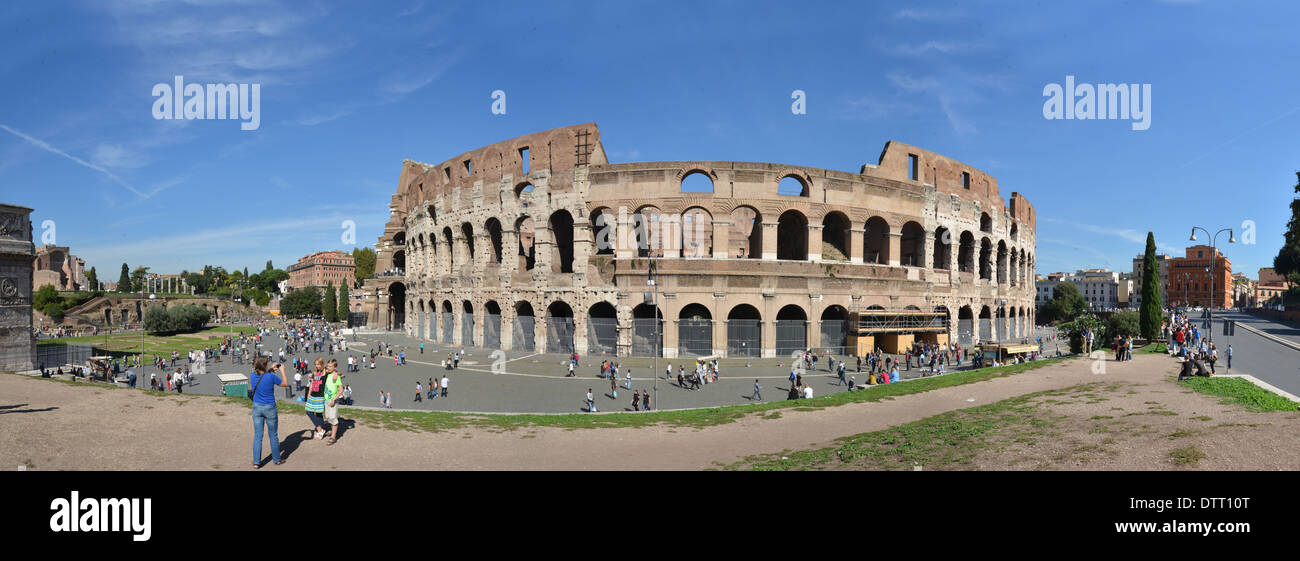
column 807, row 392
column 445, row 380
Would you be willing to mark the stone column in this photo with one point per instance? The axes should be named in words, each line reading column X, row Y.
column 815, row 242
column 769, row 240
column 927, row 252
column 721, row 239
column 508, row 327
column 857, row 237
column 583, row 248
column 768, row 337
column 719, row 326
column 509, row 256
column 625, row 240
column 670, row 333
column 17, row 254
column 895, row 241
column 624, row 315
column 539, row 328
column 542, row 246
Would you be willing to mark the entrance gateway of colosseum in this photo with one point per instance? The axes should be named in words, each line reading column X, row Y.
column 530, row 245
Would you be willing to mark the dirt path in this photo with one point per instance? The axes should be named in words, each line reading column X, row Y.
column 64, row 426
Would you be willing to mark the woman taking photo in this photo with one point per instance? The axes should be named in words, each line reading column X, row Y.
column 264, row 384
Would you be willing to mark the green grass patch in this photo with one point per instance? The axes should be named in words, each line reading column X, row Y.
column 1158, row 348
column 1187, row 456
column 947, row 441
column 1241, row 392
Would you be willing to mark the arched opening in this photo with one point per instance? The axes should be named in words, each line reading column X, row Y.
column 697, row 182
column 697, row 233
column 449, row 322
column 986, row 259
column 467, row 231
column 695, row 331
column 792, row 186
column 527, row 249
column 1015, row 232
column 399, row 262
column 965, row 325
column 835, row 237
column 493, row 228
column 451, row 249
column 1014, row 273
column 986, row 324
column 433, row 214
column 1013, row 324
column 467, row 323
column 604, row 230
column 396, row 305
column 646, row 232
column 942, row 248
column 875, row 245
column 791, row 331
column 491, row 324
column 792, row 236
column 911, row 251
column 1026, row 270
column 561, row 223
column 525, row 327
column 602, row 329
column 746, row 233
column 523, row 193
column 419, row 320
column 986, row 223
column 647, row 330
column 559, row 328
column 1002, row 262
column 108, row 316
column 744, row 332
column 835, row 329
column 966, row 253
column 399, row 238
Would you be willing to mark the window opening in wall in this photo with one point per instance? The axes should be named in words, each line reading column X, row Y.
column 447, row 171
column 791, row 186
column 468, row 170
column 523, row 158
column 911, row 166
column 965, row 180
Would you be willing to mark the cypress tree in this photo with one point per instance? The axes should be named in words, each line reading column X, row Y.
column 124, row 282
column 343, row 304
column 330, row 307
column 1152, row 312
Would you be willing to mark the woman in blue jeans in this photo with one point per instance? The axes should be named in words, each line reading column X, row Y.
column 264, row 384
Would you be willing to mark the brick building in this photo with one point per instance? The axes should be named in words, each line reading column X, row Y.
column 322, row 268
column 1270, row 286
column 1191, row 283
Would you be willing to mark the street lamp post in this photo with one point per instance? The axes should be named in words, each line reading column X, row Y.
column 1214, row 259
column 654, row 310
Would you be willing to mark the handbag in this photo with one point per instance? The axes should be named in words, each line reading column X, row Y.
column 259, row 382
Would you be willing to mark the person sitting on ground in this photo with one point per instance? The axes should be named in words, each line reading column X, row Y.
column 794, row 393
column 1185, row 371
column 808, row 392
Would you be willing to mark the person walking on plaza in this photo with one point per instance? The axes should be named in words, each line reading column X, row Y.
column 445, row 381
column 1229, row 357
column 613, row 388
column 645, row 400
column 636, row 401
column 422, row 347
column 757, row 395
column 419, row 392
column 591, row 403
column 264, row 412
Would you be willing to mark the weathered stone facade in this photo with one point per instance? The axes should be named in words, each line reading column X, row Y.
column 58, row 267
column 17, row 342
column 516, row 230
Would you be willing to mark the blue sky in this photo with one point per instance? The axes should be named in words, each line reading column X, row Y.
column 348, row 90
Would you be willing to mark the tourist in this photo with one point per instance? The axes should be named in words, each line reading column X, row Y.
column 419, row 392
column 347, row 395
column 264, row 411
column 793, row 394
column 613, row 388
column 333, row 387
column 808, row 392
column 388, row 400
column 893, row 375
column 570, row 374
column 445, row 381
column 591, row 403
column 645, row 400
column 757, row 395
column 455, row 360
column 297, row 377
column 316, row 399
column 636, row 401
column 628, row 379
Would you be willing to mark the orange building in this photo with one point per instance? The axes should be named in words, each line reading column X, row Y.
column 322, row 268
column 1270, row 286
column 1191, row 283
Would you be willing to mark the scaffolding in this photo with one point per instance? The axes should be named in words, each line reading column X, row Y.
column 905, row 321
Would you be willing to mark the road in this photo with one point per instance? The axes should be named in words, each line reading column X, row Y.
column 1267, row 360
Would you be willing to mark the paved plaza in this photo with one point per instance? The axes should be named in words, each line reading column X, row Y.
column 533, row 383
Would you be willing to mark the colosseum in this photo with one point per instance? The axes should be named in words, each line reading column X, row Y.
column 540, row 244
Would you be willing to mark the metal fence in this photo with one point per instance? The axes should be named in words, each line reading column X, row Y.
column 467, row 330
column 647, row 337
column 986, row 329
column 964, row 331
column 59, row 354
column 559, row 335
column 525, row 333
column 421, row 331
column 695, row 337
column 357, row 319
column 744, row 338
column 602, row 336
column 791, row 336
column 448, row 326
column 834, row 336
column 492, row 331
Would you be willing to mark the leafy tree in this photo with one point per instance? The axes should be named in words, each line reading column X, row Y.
column 1125, row 324
column 301, row 302
column 55, row 311
column 245, row 277
column 1288, row 258
column 137, row 278
column 1152, row 311
column 343, row 309
column 1073, row 331
column 177, row 319
column 124, row 281
column 198, row 282
column 1066, row 304
column 45, row 296
column 330, row 305
column 92, row 279
column 365, row 259
column 257, row 296
column 268, row 265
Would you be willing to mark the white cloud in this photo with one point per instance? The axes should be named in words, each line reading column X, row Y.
column 47, row 147
column 927, row 15
column 942, row 47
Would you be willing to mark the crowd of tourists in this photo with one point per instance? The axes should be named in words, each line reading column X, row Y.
column 1185, row 340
